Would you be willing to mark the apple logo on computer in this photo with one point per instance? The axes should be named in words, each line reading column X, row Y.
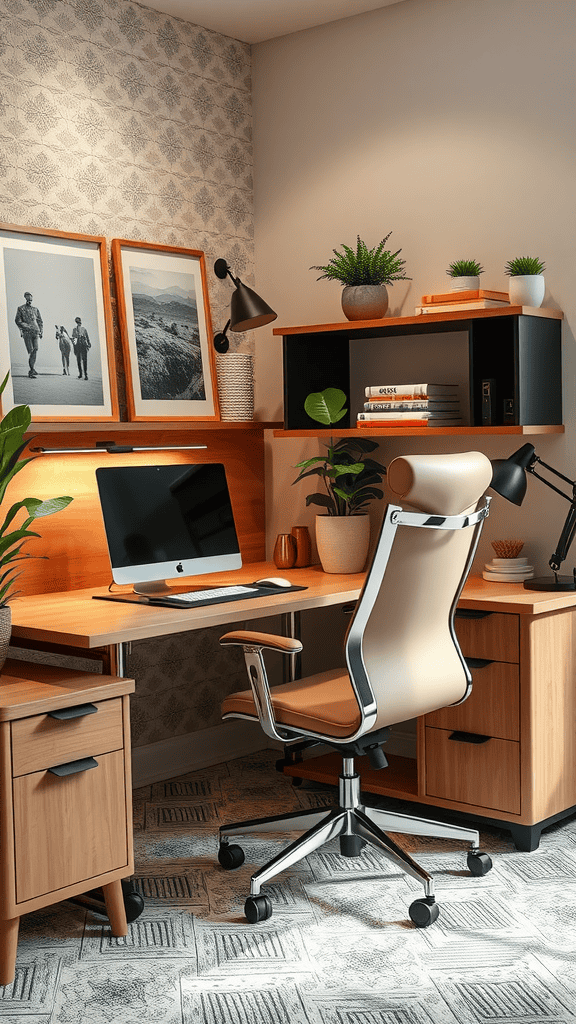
column 179, row 567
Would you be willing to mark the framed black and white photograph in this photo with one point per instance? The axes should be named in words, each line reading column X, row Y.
column 166, row 331
column 56, row 325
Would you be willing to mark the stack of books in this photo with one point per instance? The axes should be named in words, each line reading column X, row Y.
column 411, row 405
column 448, row 302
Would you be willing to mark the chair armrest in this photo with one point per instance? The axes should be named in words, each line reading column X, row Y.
column 268, row 641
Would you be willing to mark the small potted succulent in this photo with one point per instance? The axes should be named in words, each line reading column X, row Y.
column 351, row 480
column 465, row 275
column 12, row 536
column 364, row 273
column 527, row 285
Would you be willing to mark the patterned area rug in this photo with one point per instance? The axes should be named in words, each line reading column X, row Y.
column 339, row 947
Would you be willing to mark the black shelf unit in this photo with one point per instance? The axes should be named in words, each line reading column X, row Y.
column 520, row 351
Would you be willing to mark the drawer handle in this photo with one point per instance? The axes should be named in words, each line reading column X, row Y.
column 73, row 767
column 469, row 737
column 478, row 662
column 471, row 613
column 79, row 711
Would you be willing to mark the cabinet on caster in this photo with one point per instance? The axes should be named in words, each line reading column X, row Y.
column 65, row 794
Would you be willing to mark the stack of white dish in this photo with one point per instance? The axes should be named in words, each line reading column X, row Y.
column 508, row 570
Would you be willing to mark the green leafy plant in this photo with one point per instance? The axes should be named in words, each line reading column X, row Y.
column 364, row 265
column 524, row 265
column 12, row 538
column 465, row 268
column 350, row 478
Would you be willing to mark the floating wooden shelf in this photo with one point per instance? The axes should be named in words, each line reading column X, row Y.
column 154, row 426
column 420, row 431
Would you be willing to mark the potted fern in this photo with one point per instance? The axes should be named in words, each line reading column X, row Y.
column 364, row 273
column 465, row 275
column 350, row 480
column 527, row 285
column 13, row 536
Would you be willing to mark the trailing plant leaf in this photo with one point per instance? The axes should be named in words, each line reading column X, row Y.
column 375, row 266
column 13, row 444
column 522, row 266
column 465, row 268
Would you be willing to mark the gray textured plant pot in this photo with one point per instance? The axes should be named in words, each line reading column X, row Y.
column 527, row 290
column 364, row 301
column 5, row 632
column 464, row 284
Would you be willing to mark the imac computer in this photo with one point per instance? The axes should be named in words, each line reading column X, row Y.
column 162, row 522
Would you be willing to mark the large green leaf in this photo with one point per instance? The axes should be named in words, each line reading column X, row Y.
column 326, row 406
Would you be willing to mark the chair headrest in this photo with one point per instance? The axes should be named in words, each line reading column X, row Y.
column 440, row 484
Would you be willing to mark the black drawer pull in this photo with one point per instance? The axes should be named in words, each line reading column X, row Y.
column 478, row 662
column 469, row 737
column 471, row 613
column 73, row 767
column 79, row 711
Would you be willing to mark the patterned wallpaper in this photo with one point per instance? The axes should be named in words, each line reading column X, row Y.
column 116, row 120
column 119, row 121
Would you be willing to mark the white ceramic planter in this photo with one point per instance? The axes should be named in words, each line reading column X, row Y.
column 527, row 290
column 464, row 284
column 343, row 542
column 364, row 301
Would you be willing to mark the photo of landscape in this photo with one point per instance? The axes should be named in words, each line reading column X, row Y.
column 167, row 335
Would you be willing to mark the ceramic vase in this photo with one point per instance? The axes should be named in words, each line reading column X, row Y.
column 5, row 632
column 284, row 556
column 527, row 290
column 303, row 546
column 235, row 374
column 465, row 284
column 364, row 301
column 343, row 542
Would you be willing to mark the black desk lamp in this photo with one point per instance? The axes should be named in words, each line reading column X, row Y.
column 509, row 480
column 247, row 309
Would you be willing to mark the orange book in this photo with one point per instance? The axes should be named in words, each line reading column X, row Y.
column 467, row 296
column 391, row 422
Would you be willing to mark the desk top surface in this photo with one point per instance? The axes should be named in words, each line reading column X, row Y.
column 74, row 619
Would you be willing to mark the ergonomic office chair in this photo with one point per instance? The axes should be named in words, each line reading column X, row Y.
column 403, row 660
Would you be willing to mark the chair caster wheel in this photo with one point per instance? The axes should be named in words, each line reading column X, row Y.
column 133, row 905
column 424, row 912
column 257, row 908
column 479, row 864
column 230, row 857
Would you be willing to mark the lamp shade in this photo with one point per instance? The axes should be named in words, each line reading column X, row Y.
column 509, row 475
column 248, row 310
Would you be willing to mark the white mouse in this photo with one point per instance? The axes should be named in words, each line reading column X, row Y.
column 273, row 581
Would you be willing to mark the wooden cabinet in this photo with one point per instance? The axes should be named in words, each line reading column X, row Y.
column 507, row 755
column 65, row 793
column 519, row 349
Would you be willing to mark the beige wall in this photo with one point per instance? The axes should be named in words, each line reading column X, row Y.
column 450, row 124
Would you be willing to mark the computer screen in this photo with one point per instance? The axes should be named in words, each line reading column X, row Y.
column 162, row 522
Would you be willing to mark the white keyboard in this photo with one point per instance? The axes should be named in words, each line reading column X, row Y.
column 194, row 596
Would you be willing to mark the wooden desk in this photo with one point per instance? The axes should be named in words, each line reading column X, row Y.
column 524, row 700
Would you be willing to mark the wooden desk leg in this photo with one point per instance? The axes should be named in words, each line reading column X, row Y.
column 114, row 900
column 8, row 947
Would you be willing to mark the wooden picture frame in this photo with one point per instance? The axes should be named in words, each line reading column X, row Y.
column 166, row 331
column 57, row 343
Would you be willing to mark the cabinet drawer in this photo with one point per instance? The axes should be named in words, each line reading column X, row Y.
column 495, row 635
column 71, row 828
column 484, row 774
column 493, row 707
column 40, row 741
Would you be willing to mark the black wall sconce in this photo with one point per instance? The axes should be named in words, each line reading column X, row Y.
column 247, row 309
column 509, row 480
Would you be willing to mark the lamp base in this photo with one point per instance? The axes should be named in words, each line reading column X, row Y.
column 549, row 583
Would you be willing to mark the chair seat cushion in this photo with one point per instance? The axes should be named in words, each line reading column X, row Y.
column 323, row 703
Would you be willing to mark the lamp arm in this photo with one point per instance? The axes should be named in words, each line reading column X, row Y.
column 553, row 486
column 565, row 540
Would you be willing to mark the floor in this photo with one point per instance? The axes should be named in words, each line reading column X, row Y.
column 339, row 947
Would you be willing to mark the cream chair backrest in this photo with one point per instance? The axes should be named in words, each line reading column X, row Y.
column 408, row 647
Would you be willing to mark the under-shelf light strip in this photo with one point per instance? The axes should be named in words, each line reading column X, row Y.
column 118, row 449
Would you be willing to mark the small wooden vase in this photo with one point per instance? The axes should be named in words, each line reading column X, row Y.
column 303, row 546
column 284, row 556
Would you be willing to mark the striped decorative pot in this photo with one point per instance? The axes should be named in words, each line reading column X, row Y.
column 5, row 632
column 235, row 373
